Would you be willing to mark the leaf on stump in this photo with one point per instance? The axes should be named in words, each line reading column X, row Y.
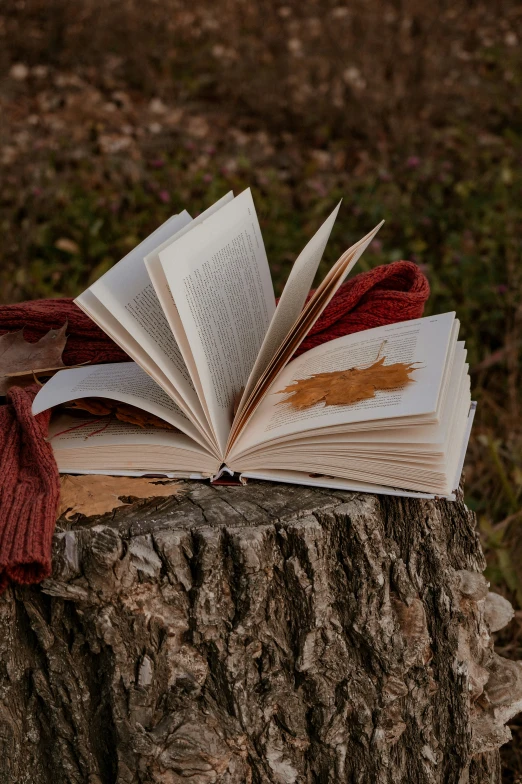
column 345, row 387
column 18, row 358
column 92, row 495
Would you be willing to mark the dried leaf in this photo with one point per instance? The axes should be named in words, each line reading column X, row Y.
column 67, row 245
column 136, row 416
column 21, row 380
column 345, row 387
column 92, row 495
column 96, row 406
column 18, row 357
column 122, row 411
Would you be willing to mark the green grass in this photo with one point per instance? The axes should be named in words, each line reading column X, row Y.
column 456, row 213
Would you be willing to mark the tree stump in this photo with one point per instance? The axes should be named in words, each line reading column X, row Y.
column 269, row 634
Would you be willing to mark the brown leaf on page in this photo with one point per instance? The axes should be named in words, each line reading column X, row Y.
column 20, row 358
column 136, row 416
column 122, row 411
column 94, row 405
column 346, row 387
column 92, row 495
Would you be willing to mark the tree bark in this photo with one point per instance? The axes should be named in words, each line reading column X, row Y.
column 265, row 634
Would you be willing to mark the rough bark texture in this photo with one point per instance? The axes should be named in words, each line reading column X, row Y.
column 263, row 634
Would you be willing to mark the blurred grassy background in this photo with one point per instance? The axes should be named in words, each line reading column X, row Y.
column 116, row 115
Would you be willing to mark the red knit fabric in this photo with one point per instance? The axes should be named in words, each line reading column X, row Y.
column 386, row 294
column 29, row 481
column 85, row 343
column 29, row 491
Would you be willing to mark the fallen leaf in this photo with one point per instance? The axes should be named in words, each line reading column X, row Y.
column 136, row 416
column 96, row 406
column 345, row 387
column 18, row 357
column 122, row 411
column 67, row 245
column 92, row 494
column 20, row 380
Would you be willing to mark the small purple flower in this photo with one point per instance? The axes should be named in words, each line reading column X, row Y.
column 412, row 162
column 376, row 246
column 157, row 163
column 37, row 192
column 502, row 288
column 207, row 178
column 164, row 196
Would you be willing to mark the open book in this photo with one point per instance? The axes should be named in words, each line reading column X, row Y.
column 193, row 306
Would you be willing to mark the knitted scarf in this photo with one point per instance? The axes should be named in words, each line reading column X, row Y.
column 29, row 480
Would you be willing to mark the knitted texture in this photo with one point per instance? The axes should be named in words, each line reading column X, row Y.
column 29, row 481
column 29, row 491
column 85, row 343
column 384, row 295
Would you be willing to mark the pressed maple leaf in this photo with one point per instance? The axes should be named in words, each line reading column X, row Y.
column 346, row 387
column 96, row 495
column 18, row 358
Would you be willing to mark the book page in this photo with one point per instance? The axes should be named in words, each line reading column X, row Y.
column 64, row 434
column 124, row 381
column 412, row 469
column 429, row 437
column 128, row 294
column 85, row 445
column 425, row 340
column 164, row 294
column 219, row 277
column 293, row 298
column 112, row 327
column 309, row 315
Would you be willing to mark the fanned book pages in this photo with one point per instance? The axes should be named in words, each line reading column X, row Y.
column 211, row 388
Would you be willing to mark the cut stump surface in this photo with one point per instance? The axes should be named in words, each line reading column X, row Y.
column 269, row 634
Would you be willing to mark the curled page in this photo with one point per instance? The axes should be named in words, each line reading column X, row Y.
column 164, row 294
column 127, row 294
column 220, row 280
column 292, row 300
column 124, row 381
column 305, row 321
